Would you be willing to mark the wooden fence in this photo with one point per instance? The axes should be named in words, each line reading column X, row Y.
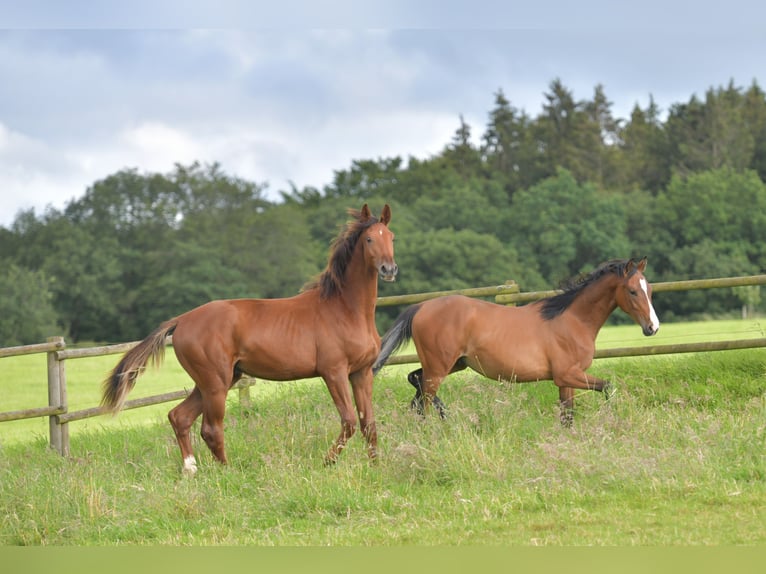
column 57, row 354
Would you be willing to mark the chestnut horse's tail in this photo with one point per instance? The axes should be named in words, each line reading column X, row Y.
column 123, row 378
column 397, row 335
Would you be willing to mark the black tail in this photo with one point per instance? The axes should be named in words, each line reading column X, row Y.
column 396, row 336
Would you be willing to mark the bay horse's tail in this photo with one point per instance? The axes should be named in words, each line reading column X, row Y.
column 397, row 335
column 123, row 378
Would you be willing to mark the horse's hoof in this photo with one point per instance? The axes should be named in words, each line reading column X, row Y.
column 190, row 466
column 330, row 460
column 416, row 405
column 441, row 407
column 609, row 390
column 567, row 420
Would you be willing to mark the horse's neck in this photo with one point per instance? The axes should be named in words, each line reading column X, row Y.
column 360, row 286
column 595, row 304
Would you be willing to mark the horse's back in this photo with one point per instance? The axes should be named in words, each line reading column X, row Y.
column 467, row 313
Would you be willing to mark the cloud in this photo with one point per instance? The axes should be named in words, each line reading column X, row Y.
column 297, row 104
column 32, row 174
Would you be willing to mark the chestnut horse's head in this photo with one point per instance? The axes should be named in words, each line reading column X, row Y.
column 634, row 296
column 377, row 240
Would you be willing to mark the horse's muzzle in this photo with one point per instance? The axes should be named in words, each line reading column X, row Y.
column 649, row 330
column 388, row 272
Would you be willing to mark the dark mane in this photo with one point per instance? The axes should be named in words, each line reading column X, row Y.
column 330, row 281
column 554, row 306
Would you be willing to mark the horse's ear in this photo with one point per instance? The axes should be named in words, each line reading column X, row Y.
column 641, row 266
column 385, row 215
column 630, row 267
column 365, row 213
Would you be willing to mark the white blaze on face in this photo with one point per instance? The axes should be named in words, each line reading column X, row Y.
column 653, row 315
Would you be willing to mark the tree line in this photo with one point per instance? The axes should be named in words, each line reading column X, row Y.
column 538, row 200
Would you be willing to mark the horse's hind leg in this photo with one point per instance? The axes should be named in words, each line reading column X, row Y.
column 208, row 398
column 417, row 403
column 213, row 411
column 415, row 378
column 182, row 418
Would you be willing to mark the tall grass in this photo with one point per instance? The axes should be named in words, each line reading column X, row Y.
column 676, row 457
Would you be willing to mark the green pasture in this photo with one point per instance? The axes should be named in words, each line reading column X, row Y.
column 676, row 457
column 23, row 379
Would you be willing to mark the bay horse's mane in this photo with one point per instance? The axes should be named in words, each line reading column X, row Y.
column 554, row 306
column 330, row 281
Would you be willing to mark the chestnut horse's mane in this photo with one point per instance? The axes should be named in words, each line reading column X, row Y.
column 556, row 305
column 330, row 281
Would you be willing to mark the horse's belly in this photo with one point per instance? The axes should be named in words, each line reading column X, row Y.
column 277, row 370
column 278, row 360
column 521, row 367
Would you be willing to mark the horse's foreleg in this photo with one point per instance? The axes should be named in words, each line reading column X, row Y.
column 573, row 379
column 566, row 404
column 337, row 384
column 361, row 384
column 182, row 418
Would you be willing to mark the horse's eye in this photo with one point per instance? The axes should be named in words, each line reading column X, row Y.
column 633, row 292
column 369, row 240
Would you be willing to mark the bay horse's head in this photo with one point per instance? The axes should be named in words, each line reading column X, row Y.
column 634, row 296
column 377, row 240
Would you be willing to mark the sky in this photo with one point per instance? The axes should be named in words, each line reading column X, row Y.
column 291, row 94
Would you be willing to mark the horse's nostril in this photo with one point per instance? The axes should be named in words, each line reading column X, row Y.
column 389, row 269
column 650, row 330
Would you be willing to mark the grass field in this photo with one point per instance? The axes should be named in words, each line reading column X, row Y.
column 675, row 458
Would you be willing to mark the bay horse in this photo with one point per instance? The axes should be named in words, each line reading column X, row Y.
column 327, row 330
column 551, row 339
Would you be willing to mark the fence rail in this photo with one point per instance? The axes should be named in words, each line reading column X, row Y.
column 689, row 285
column 59, row 415
column 647, row 350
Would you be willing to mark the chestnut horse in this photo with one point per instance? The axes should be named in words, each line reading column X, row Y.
column 551, row 339
column 327, row 330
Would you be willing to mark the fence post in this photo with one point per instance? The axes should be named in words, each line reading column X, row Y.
column 514, row 288
column 59, row 433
